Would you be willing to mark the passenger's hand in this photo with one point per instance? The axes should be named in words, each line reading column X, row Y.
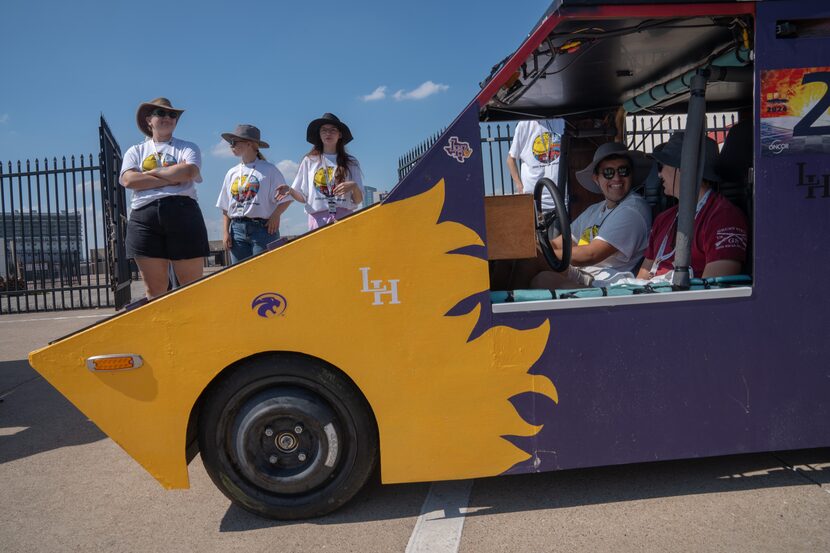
column 283, row 191
column 344, row 187
column 227, row 240
column 273, row 223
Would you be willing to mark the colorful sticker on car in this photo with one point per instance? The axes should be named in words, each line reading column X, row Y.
column 795, row 111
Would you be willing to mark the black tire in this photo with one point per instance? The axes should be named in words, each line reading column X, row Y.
column 287, row 436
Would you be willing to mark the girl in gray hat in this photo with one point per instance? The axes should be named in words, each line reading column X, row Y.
column 329, row 181
column 250, row 211
column 166, row 225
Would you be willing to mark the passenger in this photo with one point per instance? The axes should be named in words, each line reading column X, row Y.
column 611, row 235
column 537, row 144
column 719, row 241
column 166, row 224
column 250, row 211
column 329, row 181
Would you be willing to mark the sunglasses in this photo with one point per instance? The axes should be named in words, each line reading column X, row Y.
column 158, row 112
column 623, row 171
column 236, row 141
column 329, row 130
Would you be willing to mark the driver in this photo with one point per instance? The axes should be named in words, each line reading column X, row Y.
column 610, row 236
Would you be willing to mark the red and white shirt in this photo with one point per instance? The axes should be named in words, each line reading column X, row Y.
column 720, row 233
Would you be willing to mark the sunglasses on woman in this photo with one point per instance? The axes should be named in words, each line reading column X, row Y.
column 623, row 171
column 165, row 113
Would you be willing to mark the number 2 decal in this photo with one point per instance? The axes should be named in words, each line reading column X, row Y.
column 804, row 127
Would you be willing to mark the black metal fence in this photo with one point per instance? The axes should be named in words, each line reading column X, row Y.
column 642, row 133
column 57, row 219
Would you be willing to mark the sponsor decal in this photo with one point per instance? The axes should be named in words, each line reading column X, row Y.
column 269, row 304
column 379, row 288
column 458, row 149
column 795, row 111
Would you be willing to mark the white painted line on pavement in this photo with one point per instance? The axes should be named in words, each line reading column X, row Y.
column 439, row 527
column 56, row 318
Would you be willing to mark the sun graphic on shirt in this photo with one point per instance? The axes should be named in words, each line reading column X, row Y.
column 244, row 188
column 546, row 147
column 322, row 177
column 151, row 162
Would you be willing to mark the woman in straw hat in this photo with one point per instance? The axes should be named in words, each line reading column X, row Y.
column 166, row 224
column 329, row 181
column 251, row 212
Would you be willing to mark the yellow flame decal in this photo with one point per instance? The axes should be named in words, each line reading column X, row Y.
column 441, row 401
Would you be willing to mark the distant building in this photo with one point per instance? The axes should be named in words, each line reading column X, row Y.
column 37, row 244
column 370, row 194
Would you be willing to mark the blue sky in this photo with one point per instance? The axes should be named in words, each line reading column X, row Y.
column 276, row 65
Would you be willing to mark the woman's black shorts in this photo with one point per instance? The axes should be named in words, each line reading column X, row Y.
column 168, row 228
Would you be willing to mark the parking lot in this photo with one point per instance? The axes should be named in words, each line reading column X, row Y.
column 66, row 487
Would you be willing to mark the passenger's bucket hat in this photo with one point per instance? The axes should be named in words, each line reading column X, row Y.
column 640, row 164
column 245, row 132
column 312, row 134
column 145, row 109
column 670, row 154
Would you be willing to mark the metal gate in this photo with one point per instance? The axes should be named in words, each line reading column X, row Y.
column 115, row 216
column 63, row 226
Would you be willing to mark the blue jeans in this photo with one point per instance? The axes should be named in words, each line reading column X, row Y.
column 250, row 237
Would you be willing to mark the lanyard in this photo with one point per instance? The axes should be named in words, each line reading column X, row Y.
column 156, row 152
column 662, row 255
column 242, row 178
column 330, row 199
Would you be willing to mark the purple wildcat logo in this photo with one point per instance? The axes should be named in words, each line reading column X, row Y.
column 269, row 304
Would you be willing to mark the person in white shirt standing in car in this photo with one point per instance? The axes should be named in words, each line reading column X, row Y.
column 250, row 210
column 166, row 225
column 538, row 145
column 329, row 181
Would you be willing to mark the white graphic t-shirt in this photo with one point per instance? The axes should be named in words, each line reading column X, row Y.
column 315, row 180
column 249, row 189
column 149, row 155
column 537, row 144
column 625, row 227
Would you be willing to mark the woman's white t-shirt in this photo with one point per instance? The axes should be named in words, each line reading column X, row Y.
column 315, row 181
column 146, row 156
column 249, row 189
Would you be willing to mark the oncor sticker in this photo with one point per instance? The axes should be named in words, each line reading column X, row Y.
column 458, row 149
column 269, row 304
column 795, row 118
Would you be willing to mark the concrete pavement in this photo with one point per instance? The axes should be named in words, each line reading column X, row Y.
column 64, row 486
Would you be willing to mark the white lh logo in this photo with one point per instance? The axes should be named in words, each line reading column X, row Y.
column 378, row 289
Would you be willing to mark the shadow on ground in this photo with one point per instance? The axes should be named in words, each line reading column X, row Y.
column 35, row 418
column 576, row 488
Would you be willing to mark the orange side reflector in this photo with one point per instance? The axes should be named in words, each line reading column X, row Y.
column 117, row 362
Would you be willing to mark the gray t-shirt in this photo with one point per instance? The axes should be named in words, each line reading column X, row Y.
column 625, row 227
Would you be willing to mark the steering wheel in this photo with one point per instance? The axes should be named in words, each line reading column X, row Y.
column 556, row 219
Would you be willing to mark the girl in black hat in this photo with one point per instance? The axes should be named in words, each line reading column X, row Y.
column 166, row 225
column 250, row 211
column 329, row 181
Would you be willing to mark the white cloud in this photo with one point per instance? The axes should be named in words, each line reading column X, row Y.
column 378, row 94
column 4, row 119
column 288, row 169
column 221, row 149
column 426, row 89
